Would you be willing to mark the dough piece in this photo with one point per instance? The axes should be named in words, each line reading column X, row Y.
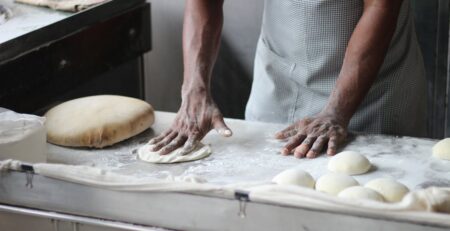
column 334, row 183
column 360, row 193
column 295, row 176
column 97, row 121
column 349, row 162
column 22, row 137
column 391, row 190
column 441, row 150
column 200, row 152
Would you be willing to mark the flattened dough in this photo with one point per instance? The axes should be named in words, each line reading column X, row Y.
column 360, row 193
column 441, row 149
column 349, row 162
column 334, row 183
column 295, row 176
column 200, row 152
column 391, row 190
column 97, row 121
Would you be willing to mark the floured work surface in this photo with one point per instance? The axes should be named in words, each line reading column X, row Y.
column 252, row 154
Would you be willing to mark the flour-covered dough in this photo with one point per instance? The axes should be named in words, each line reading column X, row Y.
column 441, row 150
column 334, row 183
column 97, row 121
column 295, row 176
column 360, row 193
column 349, row 162
column 391, row 190
column 200, row 152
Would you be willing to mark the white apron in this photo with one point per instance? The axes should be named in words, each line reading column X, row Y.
column 300, row 54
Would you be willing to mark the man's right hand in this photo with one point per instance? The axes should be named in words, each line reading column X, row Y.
column 198, row 114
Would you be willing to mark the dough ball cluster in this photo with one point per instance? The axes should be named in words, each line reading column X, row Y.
column 340, row 183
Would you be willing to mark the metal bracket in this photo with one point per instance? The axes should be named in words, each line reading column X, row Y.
column 29, row 173
column 243, row 198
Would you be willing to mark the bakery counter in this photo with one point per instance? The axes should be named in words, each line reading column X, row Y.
column 250, row 156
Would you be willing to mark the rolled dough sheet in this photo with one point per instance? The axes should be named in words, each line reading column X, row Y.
column 200, row 152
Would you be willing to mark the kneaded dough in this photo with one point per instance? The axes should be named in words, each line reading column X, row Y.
column 334, row 183
column 391, row 190
column 360, row 193
column 294, row 176
column 200, row 152
column 349, row 162
column 97, row 121
column 441, row 149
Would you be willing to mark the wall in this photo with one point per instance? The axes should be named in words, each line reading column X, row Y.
column 233, row 71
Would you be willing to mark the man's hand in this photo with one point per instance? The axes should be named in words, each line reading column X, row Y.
column 198, row 114
column 309, row 136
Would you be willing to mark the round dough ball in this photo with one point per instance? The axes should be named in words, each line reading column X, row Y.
column 97, row 121
column 360, row 193
column 349, row 162
column 441, row 150
column 294, row 176
column 334, row 183
column 391, row 190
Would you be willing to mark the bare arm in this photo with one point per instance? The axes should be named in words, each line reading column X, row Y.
column 364, row 56
column 198, row 113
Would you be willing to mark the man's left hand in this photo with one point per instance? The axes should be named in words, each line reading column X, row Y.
column 309, row 136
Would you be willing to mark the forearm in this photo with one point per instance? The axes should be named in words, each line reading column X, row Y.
column 364, row 56
column 202, row 29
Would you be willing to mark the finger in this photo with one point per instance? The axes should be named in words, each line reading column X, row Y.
column 301, row 150
column 286, row 133
column 221, row 127
column 174, row 144
column 293, row 143
column 317, row 147
column 191, row 144
column 164, row 141
column 160, row 137
column 332, row 146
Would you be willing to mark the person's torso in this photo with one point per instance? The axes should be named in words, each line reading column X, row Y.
column 300, row 54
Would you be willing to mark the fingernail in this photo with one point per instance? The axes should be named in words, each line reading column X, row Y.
column 225, row 132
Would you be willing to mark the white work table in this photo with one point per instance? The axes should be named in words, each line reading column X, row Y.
column 250, row 155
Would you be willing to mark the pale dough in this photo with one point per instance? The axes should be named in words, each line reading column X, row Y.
column 441, row 150
column 391, row 190
column 200, row 152
column 349, row 162
column 97, row 121
column 334, row 183
column 294, row 176
column 360, row 193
